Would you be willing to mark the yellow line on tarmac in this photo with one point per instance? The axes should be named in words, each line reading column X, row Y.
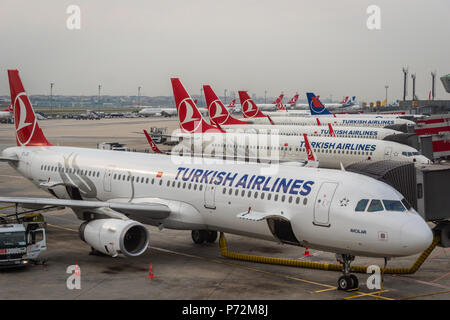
column 323, row 290
column 63, row 228
column 372, row 294
column 11, row 206
column 424, row 295
column 226, row 263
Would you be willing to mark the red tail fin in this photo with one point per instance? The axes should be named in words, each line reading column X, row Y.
column 190, row 118
column 279, row 99
column 293, row 100
column 231, row 105
column 249, row 108
column 330, row 128
column 217, row 111
column 151, row 143
column 309, row 151
column 28, row 132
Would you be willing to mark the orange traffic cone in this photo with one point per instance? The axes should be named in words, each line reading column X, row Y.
column 306, row 252
column 150, row 272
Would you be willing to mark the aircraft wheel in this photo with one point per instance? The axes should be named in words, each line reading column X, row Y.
column 198, row 236
column 211, row 237
column 345, row 283
column 355, row 281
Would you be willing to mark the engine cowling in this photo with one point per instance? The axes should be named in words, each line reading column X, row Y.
column 114, row 236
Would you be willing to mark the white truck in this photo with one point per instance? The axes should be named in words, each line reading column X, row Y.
column 22, row 241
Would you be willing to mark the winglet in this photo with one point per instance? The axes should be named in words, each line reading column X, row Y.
column 152, row 143
column 309, row 151
column 331, row 131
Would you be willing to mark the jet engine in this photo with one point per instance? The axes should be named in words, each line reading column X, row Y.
column 114, row 236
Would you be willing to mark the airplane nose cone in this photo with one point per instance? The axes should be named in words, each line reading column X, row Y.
column 416, row 236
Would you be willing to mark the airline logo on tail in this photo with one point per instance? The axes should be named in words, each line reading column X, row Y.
column 28, row 132
column 293, row 101
column 232, row 104
column 190, row 118
column 279, row 99
column 249, row 108
column 218, row 114
column 315, row 106
column 280, row 107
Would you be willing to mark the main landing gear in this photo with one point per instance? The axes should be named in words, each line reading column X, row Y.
column 347, row 281
column 200, row 236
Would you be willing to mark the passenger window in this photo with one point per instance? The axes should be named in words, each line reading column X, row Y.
column 375, row 205
column 362, row 204
column 305, row 201
column 224, row 190
column 200, row 188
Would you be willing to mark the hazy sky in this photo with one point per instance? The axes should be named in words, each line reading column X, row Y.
column 256, row 45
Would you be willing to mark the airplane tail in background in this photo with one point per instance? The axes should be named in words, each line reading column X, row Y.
column 191, row 120
column 152, row 143
column 331, row 131
column 216, row 110
column 315, row 106
column 9, row 109
column 279, row 99
column 344, row 101
column 280, row 107
column 249, row 108
column 28, row 132
column 293, row 101
column 232, row 104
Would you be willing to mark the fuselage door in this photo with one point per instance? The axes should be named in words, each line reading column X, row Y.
column 210, row 197
column 323, row 203
column 107, row 180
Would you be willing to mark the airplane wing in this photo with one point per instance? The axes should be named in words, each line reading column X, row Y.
column 153, row 210
column 4, row 159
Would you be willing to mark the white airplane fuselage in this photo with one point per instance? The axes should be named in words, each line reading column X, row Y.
column 319, row 131
column 318, row 205
column 335, row 121
column 330, row 152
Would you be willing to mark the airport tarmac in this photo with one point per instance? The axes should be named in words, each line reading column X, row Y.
column 180, row 268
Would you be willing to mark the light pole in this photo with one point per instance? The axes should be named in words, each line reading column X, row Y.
column 225, row 94
column 386, row 87
column 433, row 77
column 405, row 77
column 265, row 96
column 201, row 97
column 51, row 98
column 139, row 96
column 99, row 89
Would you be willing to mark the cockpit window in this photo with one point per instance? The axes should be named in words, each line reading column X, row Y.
column 410, row 154
column 393, row 205
column 362, row 204
column 406, row 204
column 375, row 205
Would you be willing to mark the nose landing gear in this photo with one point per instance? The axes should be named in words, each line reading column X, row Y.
column 347, row 281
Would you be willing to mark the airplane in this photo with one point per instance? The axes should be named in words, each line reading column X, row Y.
column 218, row 114
column 6, row 113
column 332, row 152
column 253, row 114
column 116, row 193
column 158, row 112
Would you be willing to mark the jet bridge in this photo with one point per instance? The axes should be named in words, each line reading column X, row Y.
column 424, row 186
column 410, row 139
